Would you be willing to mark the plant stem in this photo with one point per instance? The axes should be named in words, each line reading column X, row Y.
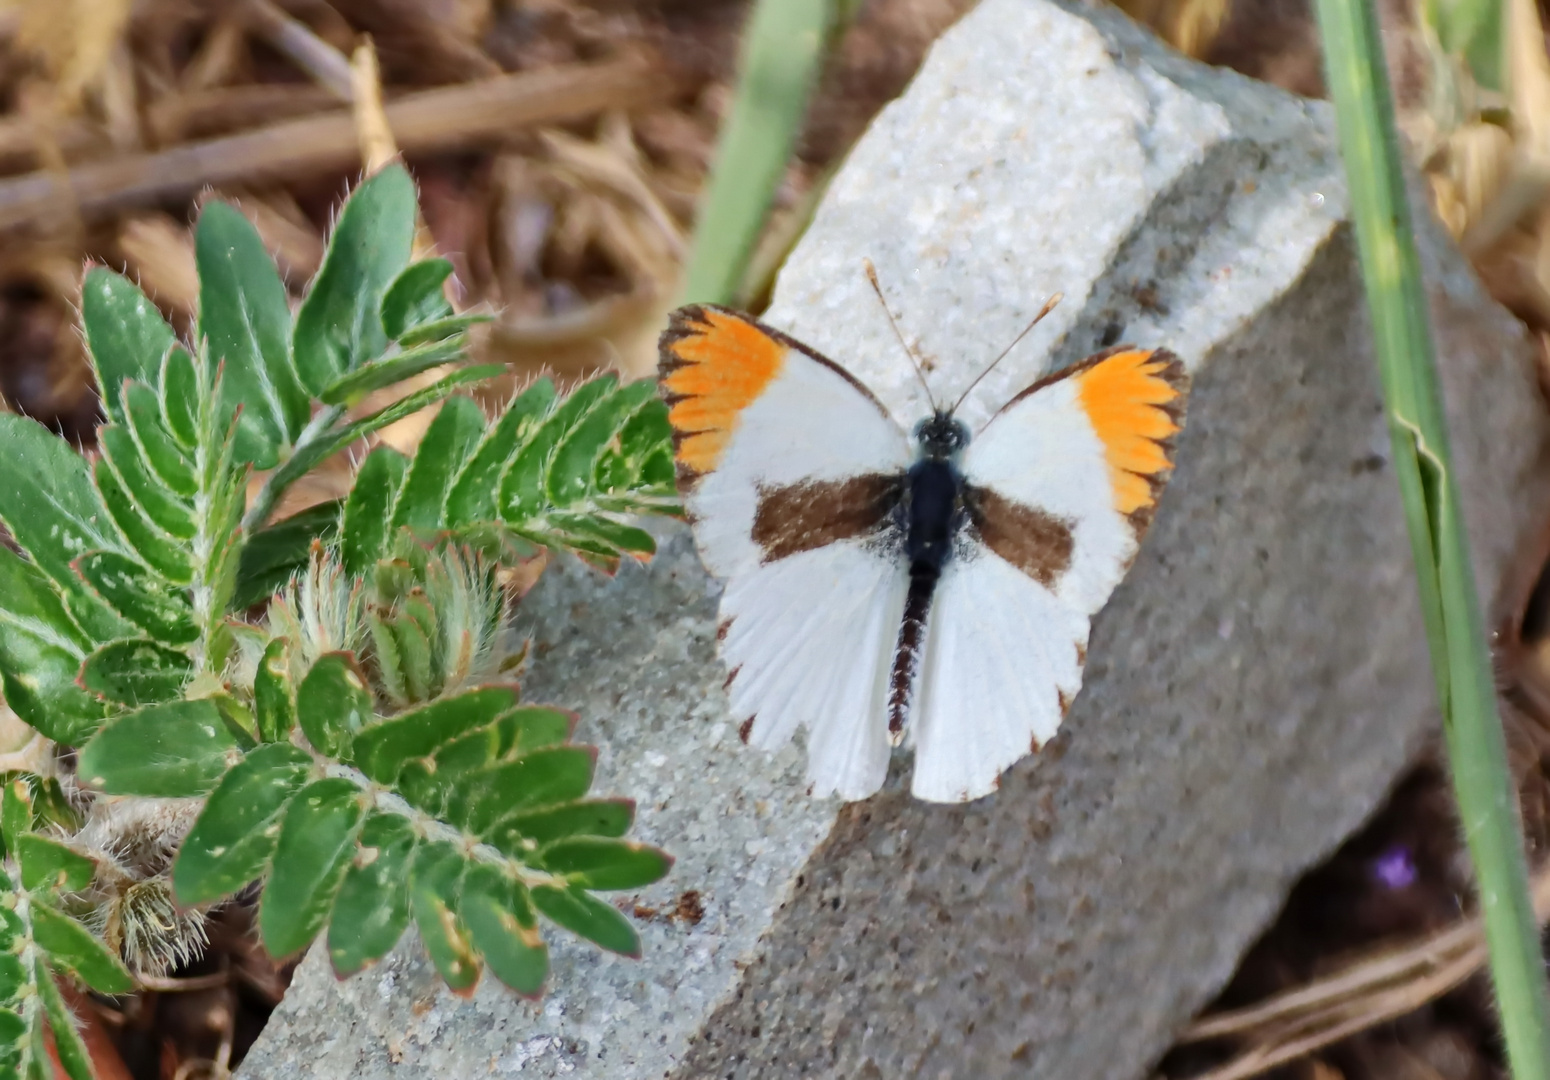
column 1358, row 84
column 780, row 57
column 319, row 428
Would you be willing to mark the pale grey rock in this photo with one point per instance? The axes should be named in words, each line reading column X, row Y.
column 1251, row 690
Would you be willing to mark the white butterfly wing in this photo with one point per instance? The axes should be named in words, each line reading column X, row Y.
column 1061, row 487
column 789, row 469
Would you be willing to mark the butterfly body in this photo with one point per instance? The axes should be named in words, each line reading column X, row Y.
column 935, row 494
column 933, row 590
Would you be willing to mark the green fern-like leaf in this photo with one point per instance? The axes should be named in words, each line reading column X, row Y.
column 358, row 746
column 41, row 942
column 566, row 473
column 468, row 815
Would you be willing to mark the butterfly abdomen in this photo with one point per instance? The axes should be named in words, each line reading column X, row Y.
column 934, row 513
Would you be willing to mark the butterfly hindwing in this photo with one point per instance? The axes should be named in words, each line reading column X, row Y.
column 809, row 642
column 790, row 471
column 1061, row 486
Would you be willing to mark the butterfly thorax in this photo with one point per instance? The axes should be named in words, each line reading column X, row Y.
column 934, row 499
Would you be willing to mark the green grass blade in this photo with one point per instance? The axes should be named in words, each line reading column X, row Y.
column 782, row 48
column 1358, row 84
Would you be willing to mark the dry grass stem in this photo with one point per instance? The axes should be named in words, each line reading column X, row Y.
column 435, row 120
column 219, row 57
column 613, row 164
column 168, row 985
column 1380, row 987
column 295, row 40
column 198, row 114
column 372, row 129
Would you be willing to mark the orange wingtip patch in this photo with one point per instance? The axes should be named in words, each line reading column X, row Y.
column 1133, row 399
column 714, row 364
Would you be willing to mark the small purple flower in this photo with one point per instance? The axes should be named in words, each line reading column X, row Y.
column 1395, row 868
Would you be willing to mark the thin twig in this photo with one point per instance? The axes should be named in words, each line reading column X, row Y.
column 1378, row 988
column 372, row 130
column 295, row 40
column 166, row 985
column 435, row 120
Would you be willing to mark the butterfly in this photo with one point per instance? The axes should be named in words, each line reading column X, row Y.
column 935, row 588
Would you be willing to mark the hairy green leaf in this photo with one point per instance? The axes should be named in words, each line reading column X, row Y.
column 412, row 652
column 244, row 315
column 51, row 807
column 594, row 862
column 274, row 695
column 126, row 335
column 317, row 837
column 577, row 530
column 175, row 750
column 572, row 472
column 441, row 329
column 13, row 976
column 165, row 554
column 472, row 497
column 48, row 864
column 501, row 923
column 68, row 1045
column 353, row 386
column 15, row 813
column 435, row 880
column 642, row 456
column 551, row 473
column 159, row 449
column 160, row 505
column 339, row 326
column 135, row 671
column 308, row 456
column 556, row 774
column 12, row 1027
column 180, row 396
column 140, row 595
column 235, row 835
column 446, row 445
column 529, row 727
column 521, row 834
column 272, row 554
column 523, row 491
column 71, row 945
column 588, row 917
column 54, row 515
column 416, row 296
column 369, row 507
column 372, row 908
column 41, row 650
column 533, row 727
column 381, row 750
column 333, row 704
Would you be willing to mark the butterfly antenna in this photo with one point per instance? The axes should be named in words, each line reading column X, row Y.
column 871, row 275
column 1049, row 305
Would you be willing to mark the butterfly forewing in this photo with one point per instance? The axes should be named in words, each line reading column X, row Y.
column 1061, row 486
column 791, row 471
column 795, row 478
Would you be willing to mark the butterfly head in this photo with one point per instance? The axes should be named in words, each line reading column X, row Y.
column 942, row 436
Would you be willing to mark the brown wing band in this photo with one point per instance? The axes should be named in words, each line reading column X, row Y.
column 800, row 517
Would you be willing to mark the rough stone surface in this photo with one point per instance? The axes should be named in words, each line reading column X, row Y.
column 1251, row 689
